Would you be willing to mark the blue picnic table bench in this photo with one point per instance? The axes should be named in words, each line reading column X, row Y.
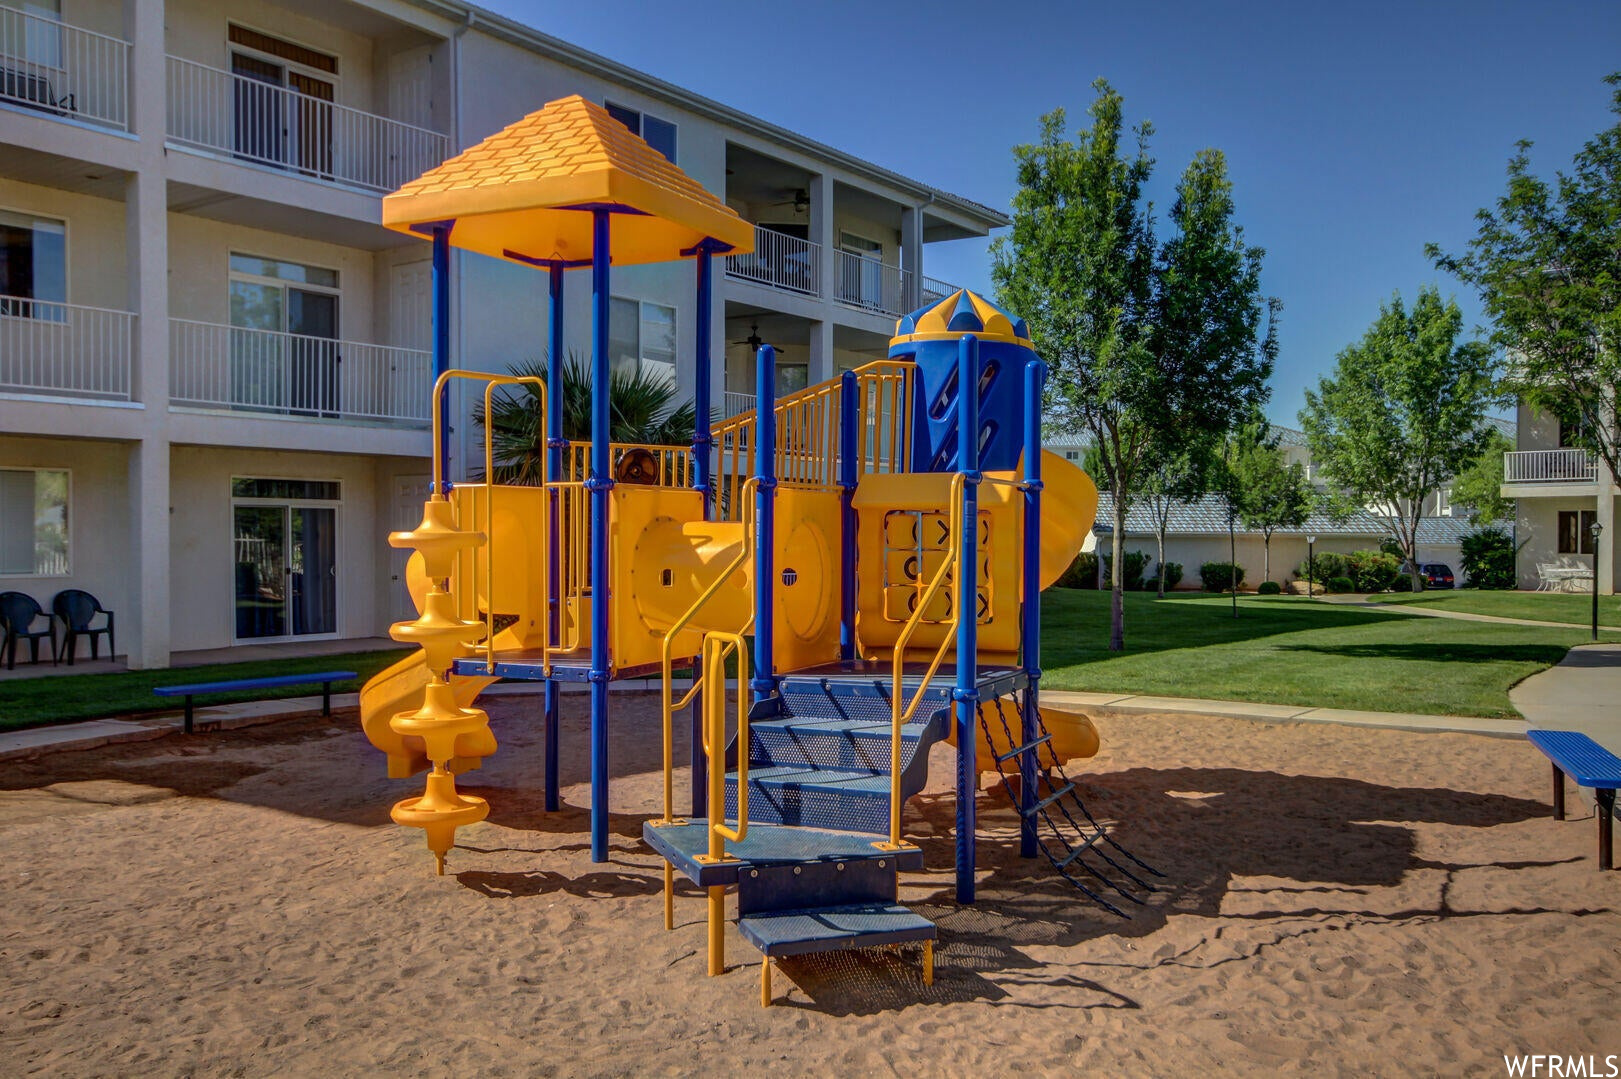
column 1588, row 764
column 326, row 678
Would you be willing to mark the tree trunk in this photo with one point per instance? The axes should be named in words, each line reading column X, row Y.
column 1159, row 573
column 1117, row 579
column 1266, row 556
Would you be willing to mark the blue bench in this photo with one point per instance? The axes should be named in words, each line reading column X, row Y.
column 1588, row 764
column 326, row 678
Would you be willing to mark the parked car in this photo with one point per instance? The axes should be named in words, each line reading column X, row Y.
column 1436, row 574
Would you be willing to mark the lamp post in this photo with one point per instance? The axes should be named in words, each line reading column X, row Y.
column 1311, row 562
column 1595, row 529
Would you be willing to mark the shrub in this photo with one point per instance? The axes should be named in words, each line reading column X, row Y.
column 1487, row 558
column 1371, row 571
column 1402, row 583
column 1341, row 584
column 1132, row 571
column 1082, row 573
column 1221, row 576
column 1172, row 572
column 1268, row 588
column 1324, row 567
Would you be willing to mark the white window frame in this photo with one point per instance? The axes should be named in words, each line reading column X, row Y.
column 641, row 117
column 67, row 246
column 336, row 505
column 675, row 331
column 72, row 517
column 233, row 275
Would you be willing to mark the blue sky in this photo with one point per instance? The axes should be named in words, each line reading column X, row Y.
column 1354, row 132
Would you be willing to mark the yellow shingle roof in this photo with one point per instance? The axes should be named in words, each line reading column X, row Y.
column 519, row 191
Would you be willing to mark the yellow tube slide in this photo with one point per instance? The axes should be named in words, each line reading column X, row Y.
column 1074, row 736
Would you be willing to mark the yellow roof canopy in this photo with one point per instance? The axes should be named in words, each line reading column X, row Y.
column 521, row 194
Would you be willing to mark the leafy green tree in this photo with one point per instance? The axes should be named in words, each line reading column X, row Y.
column 1172, row 479
column 643, row 408
column 1403, row 411
column 1480, row 485
column 1545, row 262
column 1150, row 348
column 1275, row 495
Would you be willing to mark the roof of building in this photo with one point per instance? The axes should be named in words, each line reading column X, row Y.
column 519, row 194
column 1207, row 516
column 535, row 40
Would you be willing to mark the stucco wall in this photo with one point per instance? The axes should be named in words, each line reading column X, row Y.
column 98, row 274
column 201, row 558
column 98, row 518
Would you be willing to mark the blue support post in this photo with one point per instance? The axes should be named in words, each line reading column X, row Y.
column 441, row 341
column 1030, row 603
column 554, row 520
column 701, row 443
column 765, row 473
column 849, row 473
column 701, row 438
column 966, row 694
column 599, row 483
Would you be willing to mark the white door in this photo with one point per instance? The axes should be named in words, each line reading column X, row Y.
column 409, row 494
column 410, row 325
column 410, row 87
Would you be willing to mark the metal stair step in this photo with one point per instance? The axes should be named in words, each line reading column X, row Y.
column 767, row 845
column 832, row 743
column 840, row 799
column 824, row 929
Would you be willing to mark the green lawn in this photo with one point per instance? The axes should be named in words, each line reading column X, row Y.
column 30, row 702
column 1291, row 650
column 1537, row 606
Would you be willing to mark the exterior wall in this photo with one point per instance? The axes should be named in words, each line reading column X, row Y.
column 98, row 274
column 1536, row 529
column 98, row 518
column 202, row 570
column 1288, row 552
column 199, row 267
column 1536, row 430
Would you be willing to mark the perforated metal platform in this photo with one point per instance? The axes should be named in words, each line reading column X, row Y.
column 867, row 925
column 529, row 665
column 766, row 845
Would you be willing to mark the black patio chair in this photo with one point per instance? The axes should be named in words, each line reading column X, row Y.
column 18, row 611
column 77, row 608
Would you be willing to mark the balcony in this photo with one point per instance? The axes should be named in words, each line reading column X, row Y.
column 228, row 368
column 1549, row 466
column 935, row 290
column 62, row 70
column 871, row 285
column 780, row 261
column 217, row 111
column 65, row 350
column 738, row 402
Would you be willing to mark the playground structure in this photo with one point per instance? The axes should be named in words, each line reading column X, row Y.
column 925, row 470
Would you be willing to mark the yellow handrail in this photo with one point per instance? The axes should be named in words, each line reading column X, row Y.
column 670, row 708
column 900, row 711
column 491, row 381
column 719, row 644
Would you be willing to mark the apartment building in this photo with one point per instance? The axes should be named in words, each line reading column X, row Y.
column 1560, row 492
column 213, row 365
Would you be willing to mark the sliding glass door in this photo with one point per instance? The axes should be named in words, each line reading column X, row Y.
column 285, row 558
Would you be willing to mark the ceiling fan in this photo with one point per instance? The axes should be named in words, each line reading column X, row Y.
column 753, row 340
column 800, row 200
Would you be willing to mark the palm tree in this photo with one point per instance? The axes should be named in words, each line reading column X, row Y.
column 642, row 409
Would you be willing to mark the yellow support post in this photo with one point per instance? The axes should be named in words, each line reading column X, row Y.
column 928, row 962
column 765, row 981
column 669, row 896
column 717, row 930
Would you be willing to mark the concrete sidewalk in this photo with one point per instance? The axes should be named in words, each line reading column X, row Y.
column 37, row 741
column 1461, row 616
column 1582, row 692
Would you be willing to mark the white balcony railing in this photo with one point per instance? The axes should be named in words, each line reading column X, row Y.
column 63, row 349
column 738, row 402
column 63, row 70
column 871, row 285
column 784, row 262
column 240, row 370
column 272, row 125
column 935, row 290
column 1549, row 466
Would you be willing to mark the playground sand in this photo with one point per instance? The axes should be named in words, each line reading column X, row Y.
column 1335, row 900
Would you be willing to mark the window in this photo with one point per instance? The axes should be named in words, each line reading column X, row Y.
column 284, row 546
column 271, row 125
column 1072, row 455
column 284, row 350
column 34, row 522
column 33, row 266
column 641, row 337
column 659, row 134
column 1576, row 531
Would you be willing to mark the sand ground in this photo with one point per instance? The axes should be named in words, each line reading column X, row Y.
column 1335, row 900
